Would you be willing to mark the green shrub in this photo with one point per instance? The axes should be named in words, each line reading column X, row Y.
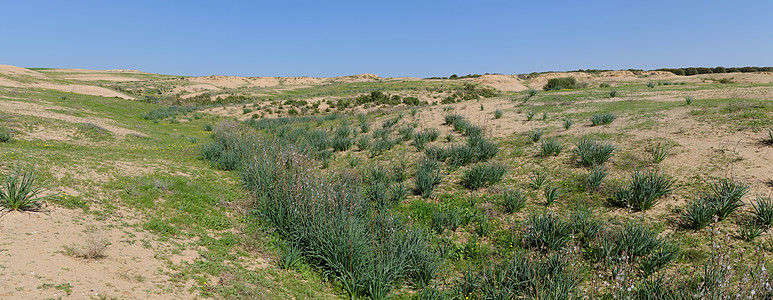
column 318, row 140
column 568, row 123
column 750, row 230
column 592, row 152
column 207, row 127
column 561, row 83
column 421, row 139
column 341, row 143
column 641, row 244
column 5, row 137
column 427, row 177
column 546, row 232
column 650, row 84
column 451, row 119
column 763, row 210
column 290, row 256
column 531, row 92
column 688, row 100
column 514, row 200
column 602, row 119
column 612, row 93
column 551, row 147
column 643, row 191
column 445, row 219
column 498, row 114
column 536, row 134
column 22, row 190
column 595, row 177
column 481, row 175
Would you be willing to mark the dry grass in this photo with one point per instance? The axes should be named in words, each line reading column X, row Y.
column 94, row 248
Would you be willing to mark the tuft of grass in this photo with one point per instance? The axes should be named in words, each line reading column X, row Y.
column 546, row 232
column 568, row 123
column 659, row 151
column 697, row 214
column 406, row 133
column 585, row 222
column 539, row 179
column 363, row 143
column 592, row 152
column 612, row 93
column 94, row 249
column 498, row 114
column 421, row 139
column 514, row 200
column 643, row 191
column 481, row 175
column 750, row 230
column 595, row 177
column 551, row 147
column 207, row 127
column 544, row 116
column 552, row 193
column 536, row 134
column 763, row 210
column 290, row 256
column 650, row 84
column 688, row 100
column 726, row 196
column 531, row 92
column 22, row 190
column 602, row 119
column 427, row 177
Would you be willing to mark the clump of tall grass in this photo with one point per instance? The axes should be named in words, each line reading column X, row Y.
column 643, row 191
column 498, row 114
column 428, row 176
column 769, row 138
column 688, row 100
column 481, row 175
column 659, row 151
column 406, row 133
column 546, row 232
column 613, row 93
column 585, row 223
column 22, row 189
column 422, row 138
column 697, row 214
column 592, row 152
column 5, row 137
column 552, row 193
column 568, row 123
column 763, row 210
column 514, row 200
column 595, row 177
column 536, row 134
column 363, row 142
column 602, row 119
column 539, row 179
column 551, row 147
column 341, row 140
column 530, row 115
column 726, row 196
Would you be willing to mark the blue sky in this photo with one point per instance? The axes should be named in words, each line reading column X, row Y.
column 388, row 38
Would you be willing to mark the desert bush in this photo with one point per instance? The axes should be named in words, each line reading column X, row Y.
column 602, row 119
column 514, row 200
column 561, row 83
column 427, row 177
column 536, row 134
column 643, row 191
column 22, row 190
column 95, row 248
column 568, row 123
column 498, row 114
column 5, row 137
column 546, row 232
column 481, row 175
column 595, row 177
column 592, row 152
column 551, row 147
column 544, row 116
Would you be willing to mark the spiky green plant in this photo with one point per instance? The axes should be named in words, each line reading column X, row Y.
column 697, row 214
column 550, row 147
column 552, row 193
column 481, row 175
column 539, row 179
column 726, row 195
column 514, row 200
column 595, row 177
column 498, row 114
column 763, row 210
column 612, row 93
column 22, row 190
column 536, row 134
column 546, row 232
column 428, row 176
column 659, row 151
column 530, row 115
column 643, row 191
column 688, row 100
column 568, row 123
column 592, row 152
column 602, row 119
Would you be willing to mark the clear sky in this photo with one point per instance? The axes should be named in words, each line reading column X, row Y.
column 388, row 38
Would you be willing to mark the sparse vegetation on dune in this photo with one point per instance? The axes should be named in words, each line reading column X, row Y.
column 346, row 190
